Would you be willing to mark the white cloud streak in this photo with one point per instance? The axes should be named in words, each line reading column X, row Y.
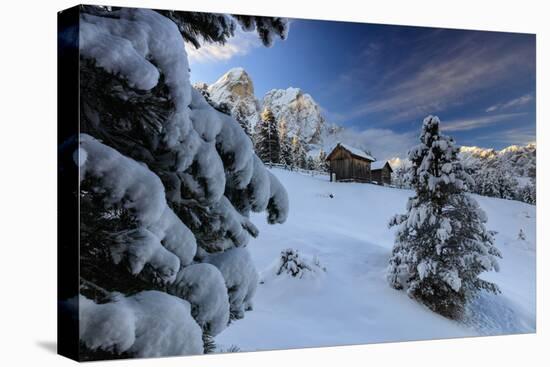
column 520, row 101
column 518, row 136
column 241, row 44
column 476, row 122
column 439, row 77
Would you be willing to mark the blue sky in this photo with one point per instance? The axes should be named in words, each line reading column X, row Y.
column 382, row 80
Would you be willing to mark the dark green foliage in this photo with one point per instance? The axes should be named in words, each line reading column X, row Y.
column 321, row 163
column 291, row 263
column 267, row 27
column 197, row 28
column 528, row 193
column 310, row 163
column 209, row 343
column 268, row 147
column 286, row 145
column 241, row 119
column 299, row 158
column 99, row 227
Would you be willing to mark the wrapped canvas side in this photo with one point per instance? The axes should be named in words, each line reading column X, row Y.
column 67, row 176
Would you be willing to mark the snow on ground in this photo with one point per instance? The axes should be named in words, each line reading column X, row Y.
column 351, row 303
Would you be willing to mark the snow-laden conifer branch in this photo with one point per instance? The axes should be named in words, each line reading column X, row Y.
column 168, row 183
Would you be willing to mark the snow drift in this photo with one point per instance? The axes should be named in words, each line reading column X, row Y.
column 352, row 302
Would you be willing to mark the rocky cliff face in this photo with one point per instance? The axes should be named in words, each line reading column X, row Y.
column 299, row 111
column 292, row 106
column 236, row 89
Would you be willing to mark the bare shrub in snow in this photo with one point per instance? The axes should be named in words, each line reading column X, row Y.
column 297, row 266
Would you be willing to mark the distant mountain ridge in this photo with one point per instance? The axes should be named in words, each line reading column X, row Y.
column 518, row 161
column 303, row 118
column 292, row 106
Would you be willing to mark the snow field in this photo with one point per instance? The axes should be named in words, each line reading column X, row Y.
column 351, row 303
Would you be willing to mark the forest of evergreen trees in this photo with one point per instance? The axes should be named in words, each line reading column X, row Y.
column 509, row 175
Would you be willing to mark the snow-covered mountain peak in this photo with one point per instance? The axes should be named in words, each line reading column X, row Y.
column 284, row 95
column 478, row 152
column 298, row 110
column 236, row 82
column 292, row 106
column 492, row 153
column 236, row 89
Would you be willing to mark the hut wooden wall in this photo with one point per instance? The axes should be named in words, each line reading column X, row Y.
column 377, row 175
column 382, row 175
column 346, row 167
column 386, row 175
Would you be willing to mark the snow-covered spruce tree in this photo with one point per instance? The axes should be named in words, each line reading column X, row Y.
column 528, row 193
column 286, row 145
column 507, row 185
column 441, row 243
column 399, row 177
column 167, row 186
column 495, row 182
column 239, row 115
column 486, row 183
column 298, row 153
column 321, row 163
column 268, row 147
column 310, row 163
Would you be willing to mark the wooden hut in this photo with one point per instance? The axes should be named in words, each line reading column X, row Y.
column 347, row 163
column 381, row 172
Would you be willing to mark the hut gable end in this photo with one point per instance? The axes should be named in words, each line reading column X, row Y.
column 349, row 164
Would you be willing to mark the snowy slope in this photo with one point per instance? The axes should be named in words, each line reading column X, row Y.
column 351, row 303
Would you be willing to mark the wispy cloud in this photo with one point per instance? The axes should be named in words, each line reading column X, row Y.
column 241, row 44
column 476, row 122
column 438, row 76
column 518, row 136
column 520, row 101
